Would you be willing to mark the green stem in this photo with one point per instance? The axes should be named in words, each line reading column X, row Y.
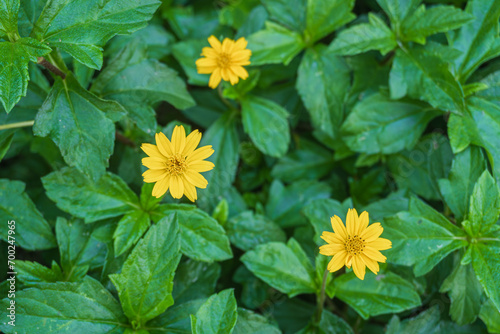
column 321, row 298
column 223, row 99
column 16, row 125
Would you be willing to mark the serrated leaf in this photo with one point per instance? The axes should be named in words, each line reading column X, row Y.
column 33, row 273
column 138, row 83
column 14, row 60
column 75, row 193
column 8, row 18
column 378, row 124
column 217, row 315
column 32, row 232
column 248, row 230
column 484, row 205
column 398, row 10
column 250, row 322
column 146, row 280
column 425, row 22
column 274, row 44
column 486, row 262
column 376, row 294
column 465, row 294
column 29, row 11
column 421, row 237
column 176, row 318
column 476, row 38
column 83, row 35
column 363, row 37
column 80, row 124
column 490, row 315
column 129, row 230
column 84, row 307
column 422, row 73
column 325, row 16
column 264, row 119
column 323, row 82
column 283, row 266
column 202, row 238
column 195, row 280
column 466, row 168
column 291, row 14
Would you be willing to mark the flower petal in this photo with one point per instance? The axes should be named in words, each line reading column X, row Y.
column 178, row 139
column 362, row 222
column 227, row 45
column 239, row 71
column 200, row 154
column 164, row 144
column 352, row 222
column 374, row 254
column 176, row 187
column 161, row 187
column 240, row 44
column 206, row 62
column 359, row 268
column 189, row 190
column 337, row 261
column 196, row 179
column 331, row 249
column 332, row 238
column 154, row 175
column 371, row 264
column 372, row 232
column 154, row 163
column 215, row 79
column 201, row 166
column 152, row 150
column 215, row 43
column 380, row 244
column 338, row 227
column 233, row 78
column 191, row 142
column 209, row 52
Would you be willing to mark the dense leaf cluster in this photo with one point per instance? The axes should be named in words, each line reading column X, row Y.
column 388, row 106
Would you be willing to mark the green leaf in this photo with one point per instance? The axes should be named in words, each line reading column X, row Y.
column 217, row 315
column 202, row 238
column 248, row 230
column 8, row 19
column 31, row 231
column 425, row 322
column 250, row 323
column 466, row 168
column 378, row 124
column 14, row 60
column 194, row 280
column 329, row 324
column 425, row 22
column 476, row 39
column 484, row 205
column 363, row 37
column 186, row 52
column 421, row 237
column 323, row 82
column 423, row 73
column 73, row 192
column 81, row 246
column 264, row 119
column 138, row 83
column 376, row 294
column 5, row 144
column 465, row 294
column 398, row 10
column 420, row 169
column 325, row 16
column 80, row 124
column 490, row 316
column 146, row 280
column 176, row 319
column 129, row 230
column 223, row 136
column 486, row 262
column 29, row 12
column 33, row 273
column 388, row 206
column 291, row 14
column 283, row 266
column 274, row 44
column 83, row 33
column 84, row 307
column 492, row 91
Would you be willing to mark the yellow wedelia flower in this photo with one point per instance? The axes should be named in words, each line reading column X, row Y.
column 358, row 245
column 224, row 60
column 177, row 164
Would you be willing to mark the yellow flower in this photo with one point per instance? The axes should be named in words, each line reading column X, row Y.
column 177, row 165
column 358, row 245
column 225, row 61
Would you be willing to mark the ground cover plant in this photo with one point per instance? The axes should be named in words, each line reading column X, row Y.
column 245, row 166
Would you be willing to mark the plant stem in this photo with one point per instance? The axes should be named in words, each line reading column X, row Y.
column 321, row 298
column 51, row 67
column 16, row 125
column 223, row 99
column 126, row 141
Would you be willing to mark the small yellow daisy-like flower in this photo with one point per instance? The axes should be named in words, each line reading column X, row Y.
column 177, row 164
column 224, row 60
column 358, row 245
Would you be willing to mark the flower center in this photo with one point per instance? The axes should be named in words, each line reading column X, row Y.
column 224, row 60
column 354, row 245
column 176, row 165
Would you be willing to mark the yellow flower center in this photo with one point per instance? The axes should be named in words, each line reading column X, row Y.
column 223, row 60
column 176, row 165
column 354, row 245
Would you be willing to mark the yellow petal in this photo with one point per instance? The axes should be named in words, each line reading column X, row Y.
column 152, row 150
column 337, row 261
column 233, row 78
column 161, row 187
column 371, row 264
column 363, row 222
column 239, row 71
column 178, row 139
column 372, row 232
column 225, row 74
column 154, row 163
column 358, row 267
column 227, row 45
column 352, row 222
column 374, row 254
column 331, row 249
column 348, row 261
column 380, row 244
column 338, row 227
column 200, row 153
column 154, row 175
column 240, row 44
column 209, row 52
column 191, row 142
column 196, row 179
column 332, row 238
column 164, row 144
column 201, row 166
column 189, row 190
column 206, row 62
column 214, row 42
column 176, row 187
column 215, row 79
column 206, row 69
